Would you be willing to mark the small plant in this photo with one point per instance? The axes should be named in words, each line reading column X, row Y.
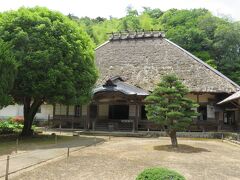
column 10, row 126
column 17, row 119
column 6, row 127
column 159, row 174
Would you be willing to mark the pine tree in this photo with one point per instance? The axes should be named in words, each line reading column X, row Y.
column 169, row 107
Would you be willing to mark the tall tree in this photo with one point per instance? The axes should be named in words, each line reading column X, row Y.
column 8, row 69
column 227, row 50
column 153, row 13
column 169, row 106
column 55, row 59
column 131, row 21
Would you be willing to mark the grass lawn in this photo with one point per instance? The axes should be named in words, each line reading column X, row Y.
column 8, row 143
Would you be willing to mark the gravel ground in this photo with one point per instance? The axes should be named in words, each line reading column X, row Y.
column 124, row 158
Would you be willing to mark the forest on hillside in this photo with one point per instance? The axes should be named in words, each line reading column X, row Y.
column 213, row 39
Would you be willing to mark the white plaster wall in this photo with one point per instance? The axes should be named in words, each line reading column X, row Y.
column 11, row 111
column 210, row 111
column 46, row 110
column 132, row 109
column 71, row 110
column 60, row 109
column 17, row 110
column 202, row 98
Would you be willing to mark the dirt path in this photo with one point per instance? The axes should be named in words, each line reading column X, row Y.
column 30, row 158
column 124, row 158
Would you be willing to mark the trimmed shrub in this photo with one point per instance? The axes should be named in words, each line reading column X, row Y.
column 6, row 127
column 159, row 174
column 9, row 127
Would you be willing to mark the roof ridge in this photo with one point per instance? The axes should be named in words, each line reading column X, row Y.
column 101, row 45
column 205, row 64
column 142, row 34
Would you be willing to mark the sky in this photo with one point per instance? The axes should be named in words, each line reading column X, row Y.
column 117, row 8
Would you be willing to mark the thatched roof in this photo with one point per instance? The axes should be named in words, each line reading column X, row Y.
column 142, row 58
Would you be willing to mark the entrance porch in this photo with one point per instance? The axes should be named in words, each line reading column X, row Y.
column 118, row 106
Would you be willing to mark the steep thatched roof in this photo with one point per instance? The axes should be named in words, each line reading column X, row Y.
column 141, row 60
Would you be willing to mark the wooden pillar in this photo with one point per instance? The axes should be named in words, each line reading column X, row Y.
column 97, row 115
column 54, row 109
column 198, row 118
column 238, row 120
column 137, row 115
column 67, row 110
column 88, row 117
column 136, row 118
column 134, row 122
column 133, row 127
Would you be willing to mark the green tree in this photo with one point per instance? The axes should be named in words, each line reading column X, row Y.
column 227, row 50
column 55, row 59
column 145, row 21
column 153, row 13
column 182, row 27
column 130, row 21
column 8, row 69
column 169, row 106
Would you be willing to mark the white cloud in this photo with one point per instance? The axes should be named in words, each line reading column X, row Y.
column 106, row 8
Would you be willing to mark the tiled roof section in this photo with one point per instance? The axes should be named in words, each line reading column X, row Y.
column 143, row 61
column 135, row 35
column 116, row 84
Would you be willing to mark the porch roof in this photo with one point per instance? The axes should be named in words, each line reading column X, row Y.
column 231, row 98
column 117, row 84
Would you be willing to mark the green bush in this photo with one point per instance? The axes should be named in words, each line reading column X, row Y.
column 9, row 126
column 159, row 174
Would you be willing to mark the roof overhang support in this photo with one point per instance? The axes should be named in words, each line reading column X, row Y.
column 235, row 103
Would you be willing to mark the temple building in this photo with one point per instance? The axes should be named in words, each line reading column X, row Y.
column 131, row 64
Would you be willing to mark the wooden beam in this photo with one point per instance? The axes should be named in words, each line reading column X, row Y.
column 235, row 104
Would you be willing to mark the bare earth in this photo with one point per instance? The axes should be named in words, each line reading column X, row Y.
column 124, row 158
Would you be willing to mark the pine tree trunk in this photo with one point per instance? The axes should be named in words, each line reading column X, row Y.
column 30, row 111
column 173, row 136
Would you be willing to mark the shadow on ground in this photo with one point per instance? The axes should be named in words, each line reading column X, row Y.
column 8, row 144
column 182, row 148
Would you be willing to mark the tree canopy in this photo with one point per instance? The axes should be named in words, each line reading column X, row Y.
column 213, row 39
column 169, row 107
column 55, row 59
column 8, row 69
